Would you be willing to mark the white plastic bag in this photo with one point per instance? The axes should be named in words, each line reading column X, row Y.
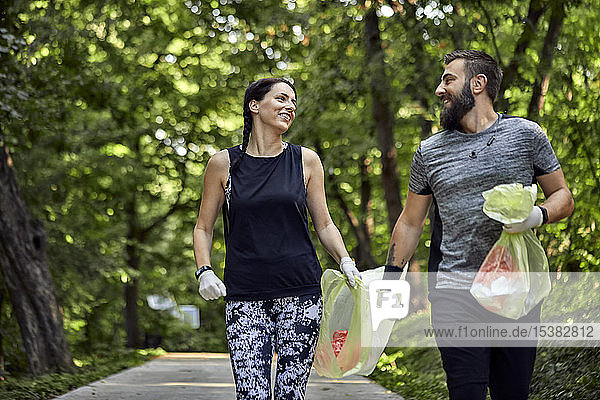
column 514, row 276
column 347, row 343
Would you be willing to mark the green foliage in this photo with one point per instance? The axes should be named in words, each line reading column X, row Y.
column 559, row 373
column 177, row 335
column 91, row 368
column 566, row 373
column 413, row 372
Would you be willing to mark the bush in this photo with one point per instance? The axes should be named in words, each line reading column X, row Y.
column 413, row 372
column 560, row 373
column 566, row 373
column 89, row 369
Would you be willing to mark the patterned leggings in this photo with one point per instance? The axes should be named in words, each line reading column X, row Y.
column 255, row 329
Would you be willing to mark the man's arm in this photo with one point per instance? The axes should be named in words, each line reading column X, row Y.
column 559, row 200
column 408, row 229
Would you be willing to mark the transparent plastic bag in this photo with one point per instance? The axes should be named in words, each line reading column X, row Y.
column 514, row 276
column 347, row 343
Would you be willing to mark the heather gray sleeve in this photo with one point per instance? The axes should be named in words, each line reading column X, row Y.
column 418, row 176
column 545, row 160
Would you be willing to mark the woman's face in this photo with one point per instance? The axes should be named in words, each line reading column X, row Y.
column 277, row 108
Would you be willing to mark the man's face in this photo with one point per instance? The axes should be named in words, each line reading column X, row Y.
column 455, row 92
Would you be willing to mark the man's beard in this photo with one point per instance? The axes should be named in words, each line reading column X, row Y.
column 459, row 106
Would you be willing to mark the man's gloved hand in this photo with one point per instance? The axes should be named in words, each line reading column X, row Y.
column 534, row 220
column 348, row 267
column 211, row 287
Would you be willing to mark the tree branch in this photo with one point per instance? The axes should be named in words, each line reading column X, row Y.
column 588, row 156
column 511, row 72
column 546, row 57
column 491, row 28
column 382, row 116
column 362, row 252
column 176, row 206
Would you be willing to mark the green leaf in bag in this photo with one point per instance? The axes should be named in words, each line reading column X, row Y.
column 509, row 203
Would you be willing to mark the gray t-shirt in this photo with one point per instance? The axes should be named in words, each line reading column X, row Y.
column 456, row 168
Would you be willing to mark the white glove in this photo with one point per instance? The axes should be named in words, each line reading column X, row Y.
column 534, row 220
column 211, row 287
column 348, row 267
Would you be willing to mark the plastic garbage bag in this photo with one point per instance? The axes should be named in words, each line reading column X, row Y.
column 347, row 342
column 514, row 276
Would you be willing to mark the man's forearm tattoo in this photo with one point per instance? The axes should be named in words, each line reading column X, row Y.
column 391, row 259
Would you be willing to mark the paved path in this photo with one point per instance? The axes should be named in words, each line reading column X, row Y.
column 207, row 376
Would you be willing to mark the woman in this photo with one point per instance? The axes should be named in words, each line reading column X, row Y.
column 272, row 274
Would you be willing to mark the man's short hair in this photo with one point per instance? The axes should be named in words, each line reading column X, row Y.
column 477, row 62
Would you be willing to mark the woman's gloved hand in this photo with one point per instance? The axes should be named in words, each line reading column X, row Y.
column 210, row 287
column 348, row 267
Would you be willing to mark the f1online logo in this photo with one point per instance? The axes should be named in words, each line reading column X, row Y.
column 389, row 299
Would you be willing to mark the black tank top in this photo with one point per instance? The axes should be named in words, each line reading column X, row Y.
column 269, row 251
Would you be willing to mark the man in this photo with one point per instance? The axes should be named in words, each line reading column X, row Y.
column 477, row 150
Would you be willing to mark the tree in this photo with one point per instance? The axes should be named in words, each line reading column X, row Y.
column 26, row 275
column 22, row 238
column 382, row 115
column 542, row 79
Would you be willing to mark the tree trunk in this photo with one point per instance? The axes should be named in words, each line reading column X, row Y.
column 382, row 116
column 366, row 222
column 542, row 79
column 137, row 235
column 132, row 326
column 26, row 275
column 511, row 73
column 1, row 333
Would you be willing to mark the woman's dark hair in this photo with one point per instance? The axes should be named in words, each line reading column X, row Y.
column 256, row 91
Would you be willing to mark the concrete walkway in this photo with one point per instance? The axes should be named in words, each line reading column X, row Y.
column 207, row 376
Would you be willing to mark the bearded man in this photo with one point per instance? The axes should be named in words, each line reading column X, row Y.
column 477, row 150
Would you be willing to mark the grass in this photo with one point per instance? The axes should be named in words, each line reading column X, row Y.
column 566, row 373
column 413, row 372
column 560, row 373
column 89, row 369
